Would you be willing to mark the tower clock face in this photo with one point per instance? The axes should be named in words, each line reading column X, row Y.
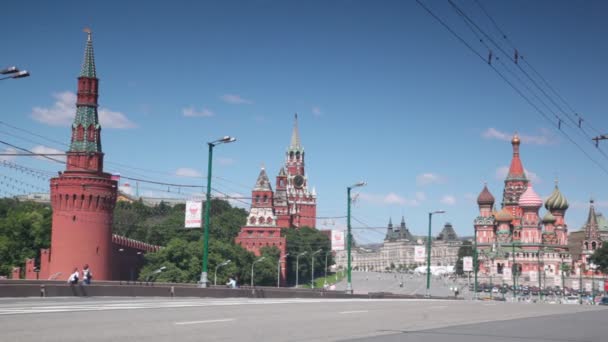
column 298, row 181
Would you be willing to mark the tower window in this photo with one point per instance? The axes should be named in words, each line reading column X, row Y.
column 80, row 133
column 265, row 199
column 91, row 133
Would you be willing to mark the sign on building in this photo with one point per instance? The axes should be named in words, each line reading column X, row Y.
column 194, row 214
column 467, row 264
column 419, row 253
column 588, row 287
column 533, row 275
column 337, row 240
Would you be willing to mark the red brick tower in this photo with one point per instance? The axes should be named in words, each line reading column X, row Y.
column 292, row 183
column 83, row 196
column 515, row 185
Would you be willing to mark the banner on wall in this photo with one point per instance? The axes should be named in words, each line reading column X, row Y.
column 467, row 264
column 419, row 253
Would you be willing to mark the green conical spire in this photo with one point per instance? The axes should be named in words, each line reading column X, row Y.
column 88, row 65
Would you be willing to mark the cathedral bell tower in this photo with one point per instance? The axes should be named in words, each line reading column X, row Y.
column 83, row 196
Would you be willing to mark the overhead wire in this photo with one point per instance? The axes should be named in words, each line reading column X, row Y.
column 506, row 80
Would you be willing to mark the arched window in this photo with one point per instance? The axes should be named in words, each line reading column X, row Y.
column 91, row 133
column 297, row 155
column 257, row 198
column 290, row 155
column 79, row 133
column 252, row 220
column 265, row 198
column 269, row 220
column 261, row 220
column 593, row 245
column 586, row 245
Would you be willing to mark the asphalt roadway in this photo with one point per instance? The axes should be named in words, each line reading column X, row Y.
column 365, row 282
column 242, row 319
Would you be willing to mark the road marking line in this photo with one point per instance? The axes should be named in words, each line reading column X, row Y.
column 438, row 307
column 352, row 312
column 204, row 322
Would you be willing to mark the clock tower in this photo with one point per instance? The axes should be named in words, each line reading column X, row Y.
column 301, row 204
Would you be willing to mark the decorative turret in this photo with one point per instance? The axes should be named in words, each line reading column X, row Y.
column 530, row 199
column 485, row 197
column 556, row 200
column 503, row 216
column 548, row 218
column 85, row 147
column 516, row 170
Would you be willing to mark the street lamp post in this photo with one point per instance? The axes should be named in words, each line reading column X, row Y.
column 349, row 237
column 540, row 284
column 298, row 267
column 475, row 267
column 514, row 271
column 312, row 270
column 255, row 262
column 279, row 269
column 224, row 140
column 13, row 72
column 428, row 254
column 325, row 275
column 216, row 267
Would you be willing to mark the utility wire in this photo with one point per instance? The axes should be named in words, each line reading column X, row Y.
column 519, row 92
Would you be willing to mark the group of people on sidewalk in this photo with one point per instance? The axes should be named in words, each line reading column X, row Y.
column 87, row 275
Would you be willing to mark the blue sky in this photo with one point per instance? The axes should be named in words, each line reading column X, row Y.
column 383, row 92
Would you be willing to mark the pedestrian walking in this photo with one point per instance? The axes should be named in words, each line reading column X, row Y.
column 73, row 279
column 87, row 275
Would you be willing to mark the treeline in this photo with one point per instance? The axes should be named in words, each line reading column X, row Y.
column 25, row 228
column 182, row 256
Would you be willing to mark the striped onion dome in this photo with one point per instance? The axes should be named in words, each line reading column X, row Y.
column 530, row 199
column 503, row 216
column 549, row 218
column 556, row 201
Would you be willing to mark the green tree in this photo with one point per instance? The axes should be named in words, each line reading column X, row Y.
column 308, row 240
column 600, row 258
column 465, row 250
column 25, row 228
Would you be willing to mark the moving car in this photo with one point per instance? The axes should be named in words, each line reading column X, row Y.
column 570, row 300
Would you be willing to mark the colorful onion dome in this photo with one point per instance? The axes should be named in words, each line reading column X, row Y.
column 503, row 216
column 556, row 201
column 549, row 218
column 485, row 197
column 530, row 199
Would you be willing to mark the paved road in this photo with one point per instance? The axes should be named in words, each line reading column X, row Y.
column 364, row 282
column 241, row 319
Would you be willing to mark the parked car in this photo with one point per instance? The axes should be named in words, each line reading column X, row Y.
column 570, row 300
column 603, row 301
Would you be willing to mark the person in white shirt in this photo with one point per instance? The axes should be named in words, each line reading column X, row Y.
column 231, row 283
column 73, row 279
column 87, row 275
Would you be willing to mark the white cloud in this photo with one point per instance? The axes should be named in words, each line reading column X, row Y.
column 420, row 196
column 41, row 149
column 226, row 161
column 187, row 172
column 448, row 200
column 127, row 189
column 234, row 99
column 388, row 199
column 503, row 171
column 316, row 111
column 64, row 109
column 192, row 112
column 429, row 178
column 112, row 119
column 544, row 138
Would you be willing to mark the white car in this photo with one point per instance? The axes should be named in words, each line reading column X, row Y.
column 570, row 300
